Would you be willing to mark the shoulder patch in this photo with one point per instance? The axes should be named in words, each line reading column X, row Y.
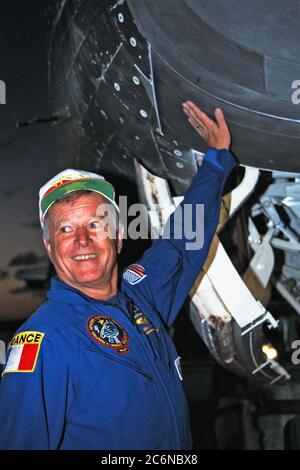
column 23, row 351
column 134, row 274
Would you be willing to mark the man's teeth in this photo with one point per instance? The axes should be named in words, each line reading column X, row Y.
column 84, row 257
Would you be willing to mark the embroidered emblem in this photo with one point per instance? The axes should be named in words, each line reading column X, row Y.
column 134, row 274
column 23, row 351
column 141, row 319
column 108, row 332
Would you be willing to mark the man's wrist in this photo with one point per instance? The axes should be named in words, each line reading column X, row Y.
column 221, row 159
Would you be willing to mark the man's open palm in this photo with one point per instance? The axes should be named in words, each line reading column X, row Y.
column 216, row 134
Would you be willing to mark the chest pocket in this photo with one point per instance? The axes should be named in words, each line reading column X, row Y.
column 157, row 340
column 119, row 361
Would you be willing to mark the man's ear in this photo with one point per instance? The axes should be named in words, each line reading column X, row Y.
column 47, row 245
column 120, row 238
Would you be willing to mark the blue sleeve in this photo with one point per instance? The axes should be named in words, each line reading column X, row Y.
column 172, row 265
column 32, row 404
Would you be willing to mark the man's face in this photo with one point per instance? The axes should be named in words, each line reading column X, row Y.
column 78, row 246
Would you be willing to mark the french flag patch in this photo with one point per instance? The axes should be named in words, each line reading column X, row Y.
column 134, row 274
column 23, row 351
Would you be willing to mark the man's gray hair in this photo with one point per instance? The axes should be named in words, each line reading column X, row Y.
column 45, row 229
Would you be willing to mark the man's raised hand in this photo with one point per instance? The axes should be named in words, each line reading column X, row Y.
column 216, row 134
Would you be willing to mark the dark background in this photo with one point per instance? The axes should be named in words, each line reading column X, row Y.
column 27, row 155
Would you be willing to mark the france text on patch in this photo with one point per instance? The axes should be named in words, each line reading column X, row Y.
column 23, row 351
column 134, row 274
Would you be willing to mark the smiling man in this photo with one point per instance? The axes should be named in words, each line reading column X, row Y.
column 79, row 238
column 95, row 367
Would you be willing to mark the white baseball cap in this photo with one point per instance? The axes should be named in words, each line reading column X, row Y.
column 68, row 181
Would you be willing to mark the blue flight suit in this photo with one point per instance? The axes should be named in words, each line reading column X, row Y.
column 105, row 374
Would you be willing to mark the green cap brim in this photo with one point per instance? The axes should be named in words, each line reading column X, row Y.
column 99, row 186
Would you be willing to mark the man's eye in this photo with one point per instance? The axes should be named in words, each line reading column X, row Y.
column 65, row 229
column 95, row 224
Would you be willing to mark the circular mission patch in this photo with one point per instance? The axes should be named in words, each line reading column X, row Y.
column 106, row 331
